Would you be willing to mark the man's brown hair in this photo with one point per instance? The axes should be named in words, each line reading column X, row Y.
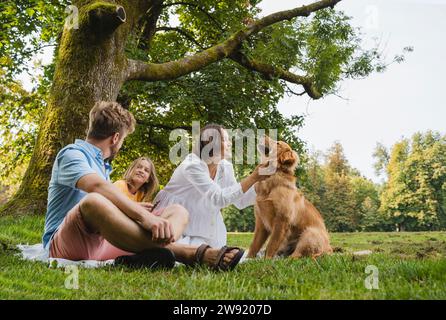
column 108, row 118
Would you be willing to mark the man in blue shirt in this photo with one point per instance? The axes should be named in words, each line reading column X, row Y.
column 86, row 212
column 72, row 162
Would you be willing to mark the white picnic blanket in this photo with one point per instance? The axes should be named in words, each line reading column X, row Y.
column 37, row 252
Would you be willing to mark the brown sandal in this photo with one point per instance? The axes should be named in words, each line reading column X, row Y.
column 199, row 254
column 219, row 263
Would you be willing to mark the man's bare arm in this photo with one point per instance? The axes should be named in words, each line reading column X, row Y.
column 94, row 183
column 158, row 226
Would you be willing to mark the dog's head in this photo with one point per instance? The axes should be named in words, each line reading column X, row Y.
column 278, row 153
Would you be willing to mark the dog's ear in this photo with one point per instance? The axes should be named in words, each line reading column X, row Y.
column 288, row 157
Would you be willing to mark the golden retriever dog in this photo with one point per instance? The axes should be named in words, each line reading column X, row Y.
column 295, row 227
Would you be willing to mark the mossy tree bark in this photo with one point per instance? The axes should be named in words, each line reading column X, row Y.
column 91, row 66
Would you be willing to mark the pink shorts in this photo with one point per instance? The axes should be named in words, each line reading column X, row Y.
column 74, row 241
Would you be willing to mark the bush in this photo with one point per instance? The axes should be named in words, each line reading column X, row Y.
column 239, row 220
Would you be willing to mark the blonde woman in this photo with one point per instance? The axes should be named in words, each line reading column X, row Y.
column 140, row 182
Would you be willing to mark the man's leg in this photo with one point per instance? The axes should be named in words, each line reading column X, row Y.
column 101, row 215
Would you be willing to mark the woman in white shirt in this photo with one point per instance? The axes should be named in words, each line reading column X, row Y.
column 204, row 183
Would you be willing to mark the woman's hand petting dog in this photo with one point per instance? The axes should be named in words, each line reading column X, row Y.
column 264, row 170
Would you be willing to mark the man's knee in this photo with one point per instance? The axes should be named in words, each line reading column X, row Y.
column 91, row 203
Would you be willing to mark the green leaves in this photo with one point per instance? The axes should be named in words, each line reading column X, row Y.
column 414, row 195
column 30, row 12
column 20, row 112
column 25, row 27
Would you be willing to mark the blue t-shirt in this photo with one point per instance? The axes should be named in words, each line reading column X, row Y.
column 72, row 163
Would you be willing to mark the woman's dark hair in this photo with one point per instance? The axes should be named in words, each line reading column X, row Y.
column 207, row 135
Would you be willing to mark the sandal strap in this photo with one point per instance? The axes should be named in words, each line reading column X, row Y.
column 219, row 260
column 220, row 264
column 199, row 254
column 238, row 256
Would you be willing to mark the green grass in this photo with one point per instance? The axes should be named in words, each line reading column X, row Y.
column 411, row 266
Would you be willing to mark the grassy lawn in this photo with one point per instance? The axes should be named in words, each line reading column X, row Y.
column 411, row 266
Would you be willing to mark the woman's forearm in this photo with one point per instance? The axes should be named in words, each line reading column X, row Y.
column 248, row 182
column 254, row 177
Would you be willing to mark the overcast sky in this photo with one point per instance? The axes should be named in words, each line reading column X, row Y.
column 384, row 107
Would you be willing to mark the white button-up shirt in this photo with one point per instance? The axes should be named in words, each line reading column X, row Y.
column 192, row 187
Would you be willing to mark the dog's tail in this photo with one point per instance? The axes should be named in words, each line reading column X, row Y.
column 313, row 242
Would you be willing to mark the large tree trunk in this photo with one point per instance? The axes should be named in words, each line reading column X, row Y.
column 90, row 67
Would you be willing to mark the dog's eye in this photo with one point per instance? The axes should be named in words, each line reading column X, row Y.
column 266, row 149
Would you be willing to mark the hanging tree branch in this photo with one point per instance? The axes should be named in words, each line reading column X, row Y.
column 139, row 70
column 270, row 72
column 149, row 28
column 292, row 92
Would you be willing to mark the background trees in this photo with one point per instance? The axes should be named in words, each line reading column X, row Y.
column 414, row 195
column 347, row 200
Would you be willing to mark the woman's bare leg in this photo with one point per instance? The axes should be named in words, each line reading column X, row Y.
column 178, row 217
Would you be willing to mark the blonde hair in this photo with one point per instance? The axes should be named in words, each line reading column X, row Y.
column 108, row 118
column 149, row 187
